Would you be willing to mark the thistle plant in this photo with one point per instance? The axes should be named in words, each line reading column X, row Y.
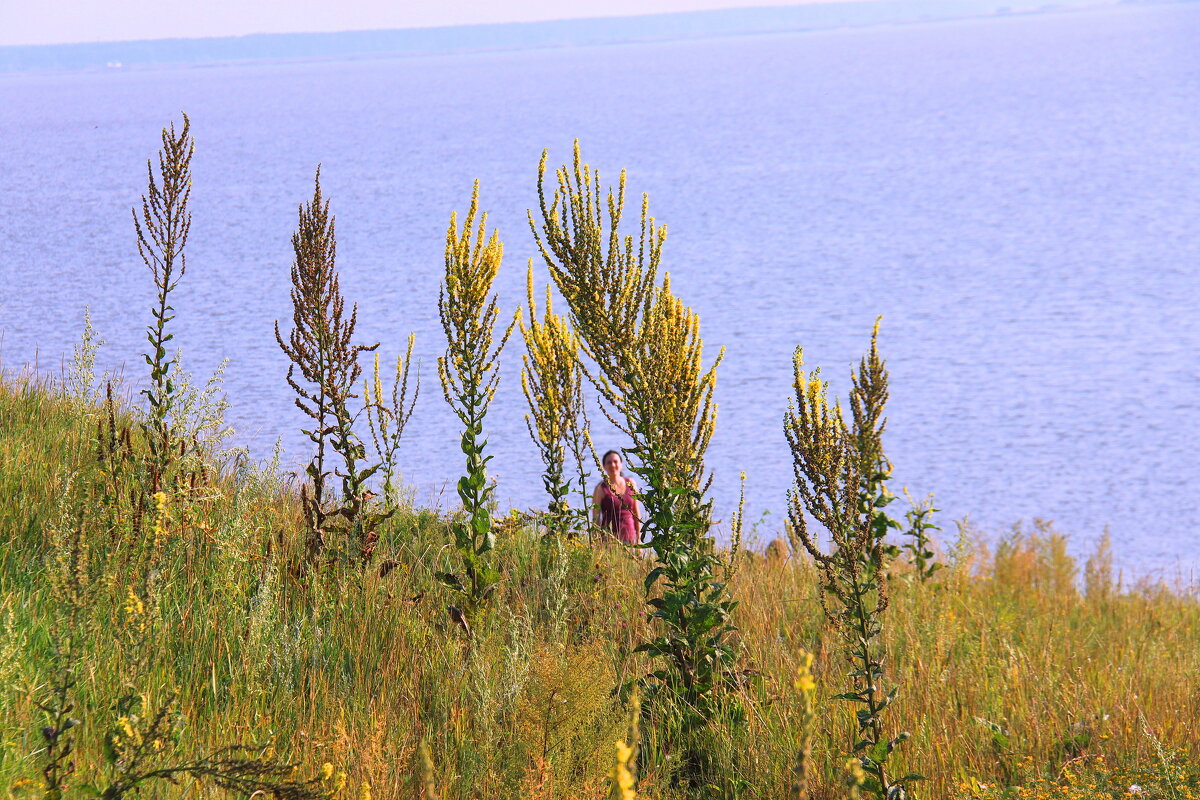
column 840, row 481
column 552, row 380
column 469, row 373
column 323, row 374
column 649, row 371
column 162, row 233
column 387, row 419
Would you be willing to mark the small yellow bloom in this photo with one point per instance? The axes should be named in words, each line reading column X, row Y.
column 133, row 605
column 326, row 771
column 804, row 681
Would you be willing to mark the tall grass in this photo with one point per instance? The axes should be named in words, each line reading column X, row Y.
column 1012, row 676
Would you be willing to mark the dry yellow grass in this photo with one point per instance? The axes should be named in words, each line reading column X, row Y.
column 1012, row 678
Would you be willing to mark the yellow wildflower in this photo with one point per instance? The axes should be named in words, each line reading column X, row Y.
column 621, row 776
column 133, row 605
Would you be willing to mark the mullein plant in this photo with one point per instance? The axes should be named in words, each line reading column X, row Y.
column 386, row 418
column 323, row 374
column 162, row 232
column 552, row 380
column 649, row 371
column 469, row 373
column 840, row 475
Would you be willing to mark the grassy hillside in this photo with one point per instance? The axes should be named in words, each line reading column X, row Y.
column 190, row 625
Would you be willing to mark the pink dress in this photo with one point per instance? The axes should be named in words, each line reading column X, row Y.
column 617, row 513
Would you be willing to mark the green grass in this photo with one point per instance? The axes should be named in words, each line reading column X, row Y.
column 1012, row 678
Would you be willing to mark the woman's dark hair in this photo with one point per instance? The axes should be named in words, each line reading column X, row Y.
column 604, row 458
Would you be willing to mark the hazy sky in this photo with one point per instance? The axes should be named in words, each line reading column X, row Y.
column 56, row 21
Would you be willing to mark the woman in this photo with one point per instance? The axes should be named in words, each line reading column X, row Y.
column 614, row 503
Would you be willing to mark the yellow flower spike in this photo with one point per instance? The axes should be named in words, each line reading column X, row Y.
column 326, row 771
column 160, row 501
column 622, row 777
column 551, row 380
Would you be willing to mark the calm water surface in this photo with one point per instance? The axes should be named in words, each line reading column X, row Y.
column 1018, row 197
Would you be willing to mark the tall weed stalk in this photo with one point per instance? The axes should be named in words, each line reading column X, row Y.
column 469, row 373
column 323, row 372
column 648, row 355
column 387, row 418
column 840, row 475
column 162, row 232
column 919, row 544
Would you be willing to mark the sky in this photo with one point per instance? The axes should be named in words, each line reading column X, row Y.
column 62, row 21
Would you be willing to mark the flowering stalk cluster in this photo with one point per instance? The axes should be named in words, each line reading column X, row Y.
column 469, row 373
column 649, row 370
column 552, row 380
column 840, row 480
column 387, row 421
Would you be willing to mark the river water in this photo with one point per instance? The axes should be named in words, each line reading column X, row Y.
column 1018, row 197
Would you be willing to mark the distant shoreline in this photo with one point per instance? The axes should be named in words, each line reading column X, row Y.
column 299, row 48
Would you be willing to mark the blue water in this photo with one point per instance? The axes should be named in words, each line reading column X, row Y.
column 1018, row 197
